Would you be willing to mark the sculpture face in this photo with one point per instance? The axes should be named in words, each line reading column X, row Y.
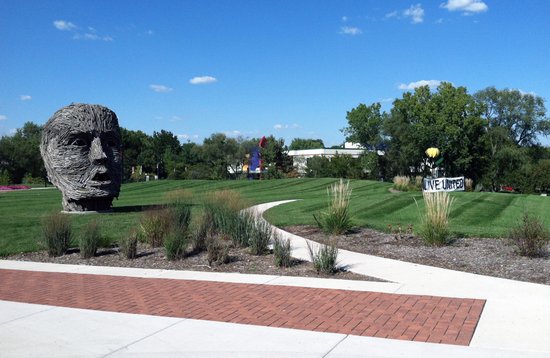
column 81, row 148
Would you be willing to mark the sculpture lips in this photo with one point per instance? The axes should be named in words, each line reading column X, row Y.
column 101, row 177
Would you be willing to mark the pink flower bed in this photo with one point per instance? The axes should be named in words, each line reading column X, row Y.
column 14, row 187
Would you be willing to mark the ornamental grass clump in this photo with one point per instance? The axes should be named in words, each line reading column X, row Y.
column 260, row 237
column 175, row 244
column 324, row 257
column 435, row 221
column 401, row 183
column 56, row 233
column 224, row 207
column 530, row 236
column 281, row 251
column 127, row 245
column 245, row 223
column 217, row 250
column 177, row 238
column 90, row 239
column 155, row 225
column 202, row 229
column 336, row 219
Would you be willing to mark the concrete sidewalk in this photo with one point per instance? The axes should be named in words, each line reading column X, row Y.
column 515, row 321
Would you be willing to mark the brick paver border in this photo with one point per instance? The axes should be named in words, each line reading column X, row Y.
column 375, row 314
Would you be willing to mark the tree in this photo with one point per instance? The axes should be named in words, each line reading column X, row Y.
column 133, row 144
column 521, row 114
column 20, row 153
column 300, row 143
column 221, row 152
column 365, row 125
column 449, row 119
column 275, row 157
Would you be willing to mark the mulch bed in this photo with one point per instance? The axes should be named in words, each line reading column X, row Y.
column 484, row 256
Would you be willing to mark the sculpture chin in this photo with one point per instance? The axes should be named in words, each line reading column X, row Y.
column 88, row 204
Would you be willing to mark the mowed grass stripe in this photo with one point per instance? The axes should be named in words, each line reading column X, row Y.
column 372, row 205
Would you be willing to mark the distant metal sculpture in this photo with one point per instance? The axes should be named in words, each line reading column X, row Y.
column 81, row 148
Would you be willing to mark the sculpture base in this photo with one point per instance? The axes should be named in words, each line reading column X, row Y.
column 88, row 205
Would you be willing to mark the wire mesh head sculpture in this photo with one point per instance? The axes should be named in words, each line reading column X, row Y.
column 81, row 148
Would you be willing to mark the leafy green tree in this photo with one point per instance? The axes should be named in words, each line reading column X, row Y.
column 301, row 143
column 220, row 152
column 275, row 156
column 449, row 119
column 365, row 125
column 133, row 144
column 523, row 115
column 20, row 154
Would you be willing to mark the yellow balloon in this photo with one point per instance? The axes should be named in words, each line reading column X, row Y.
column 432, row 152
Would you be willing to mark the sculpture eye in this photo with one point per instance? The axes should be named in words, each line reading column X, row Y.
column 79, row 142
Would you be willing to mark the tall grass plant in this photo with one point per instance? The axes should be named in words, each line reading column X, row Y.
column 434, row 228
column 336, row 219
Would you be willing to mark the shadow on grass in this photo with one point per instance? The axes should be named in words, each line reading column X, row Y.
column 134, row 208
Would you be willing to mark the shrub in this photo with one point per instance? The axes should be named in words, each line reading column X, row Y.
column 217, row 249
column 336, row 220
column 530, row 236
column 56, row 233
column 179, row 197
column 127, row 246
column 177, row 239
column 175, row 244
column 90, row 240
column 325, row 258
column 245, row 224
column 281, row 251
column 469, row 184
column 260, row 237
column 204, row 227
column 435, row 221
column 401, row 183
column 155, row 224
column 223, row 208
column 416, row 183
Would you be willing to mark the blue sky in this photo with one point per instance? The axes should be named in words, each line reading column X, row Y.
column 253, row 68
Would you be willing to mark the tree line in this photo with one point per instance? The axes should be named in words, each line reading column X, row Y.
column 490, row 137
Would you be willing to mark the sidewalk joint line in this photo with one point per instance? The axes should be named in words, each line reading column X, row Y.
column 143, row 338
column 336, row 345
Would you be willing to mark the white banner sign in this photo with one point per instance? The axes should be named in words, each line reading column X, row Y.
column 443, row 184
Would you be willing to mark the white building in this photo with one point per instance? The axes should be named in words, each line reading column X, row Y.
column 300, row 157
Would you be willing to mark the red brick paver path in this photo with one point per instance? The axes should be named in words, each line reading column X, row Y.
column 408, row 317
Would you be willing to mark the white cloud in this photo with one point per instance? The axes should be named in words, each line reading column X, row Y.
column 285, row 126
column 64, row 25
column 202, row 80
column 176, row 119
column 438, row 21
column 233, row 133
column 91, row 37
column 391, row 14
column 416, row 13
column 346, row 30
column 344, row 18
column 466, row 6
column 413, row 85
column 3, row 117
column 25, row 97
column 160, row 88
column 149, row 32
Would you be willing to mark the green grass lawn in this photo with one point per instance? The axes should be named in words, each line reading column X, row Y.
column 372, row 205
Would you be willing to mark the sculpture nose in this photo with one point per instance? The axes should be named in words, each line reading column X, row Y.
column 97, row 155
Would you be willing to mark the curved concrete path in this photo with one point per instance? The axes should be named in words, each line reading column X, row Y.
column 514, row 323
column 516, row 315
